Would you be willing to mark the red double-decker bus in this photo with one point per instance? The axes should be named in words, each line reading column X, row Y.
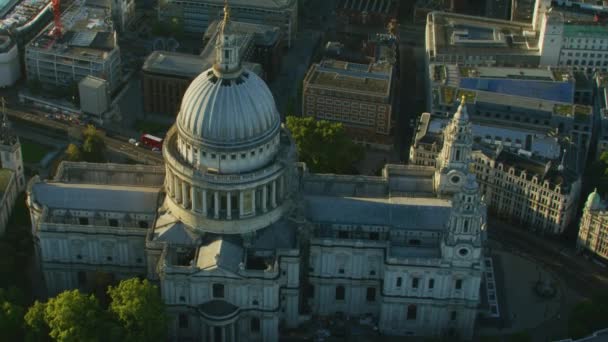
column 151, row 141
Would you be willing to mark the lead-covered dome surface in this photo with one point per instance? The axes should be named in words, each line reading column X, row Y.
column 228, row 112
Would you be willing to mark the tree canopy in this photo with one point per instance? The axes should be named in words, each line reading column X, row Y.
column 71, row 316
column 136, row 313
column 138, row 308
column 588, row 316
column 324, row 146
column 73, row 153
column 11, row 313
column 94, row 146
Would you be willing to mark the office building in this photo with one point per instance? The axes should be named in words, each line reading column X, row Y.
column 361, row 96
column 87, row 46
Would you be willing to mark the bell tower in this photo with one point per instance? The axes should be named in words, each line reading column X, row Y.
column 10, row 149
column 454, row 159
column 466, row 229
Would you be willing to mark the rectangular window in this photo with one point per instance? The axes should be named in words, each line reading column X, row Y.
column 218, row 291
column 255, row 325
column 371, row 294
column 113, row 222
column 415, row 282
column 453, row 316
column 458, row 284
column 183, row 321
column 399, row 281
column 83, row 221
column 431, row 284
column 411, row 312
column 340, row 292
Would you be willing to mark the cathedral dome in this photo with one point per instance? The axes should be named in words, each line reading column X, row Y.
column 228, row 107
column 228, row 111
column 594, row 202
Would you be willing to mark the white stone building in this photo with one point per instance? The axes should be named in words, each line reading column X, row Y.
column 245, row 242
column 593, row 229
column 12, row 179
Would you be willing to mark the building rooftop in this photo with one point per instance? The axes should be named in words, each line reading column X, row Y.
column 397, row 212
column 541, row 83
column 15, row 13
column 96, row 197
column 266, row 4
column 5, row 177
column 93, row 82
column 185, row 65
column 469, row 35
column 264, row 35
column 373, row 78
column 370, row 6
column 522, row 10
column 590, row 29
column 88, row 33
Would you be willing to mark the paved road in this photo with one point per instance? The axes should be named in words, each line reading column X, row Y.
column 116, row 144
column 578, row 273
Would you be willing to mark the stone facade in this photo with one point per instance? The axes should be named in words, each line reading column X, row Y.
column 245, row 242
column 593, row 229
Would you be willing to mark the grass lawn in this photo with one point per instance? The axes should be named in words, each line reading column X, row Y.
column 33, row 152
column 150, row 127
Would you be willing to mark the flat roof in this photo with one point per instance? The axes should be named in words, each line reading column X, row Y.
column 369, row 78
column 590, row 29
column 262, row 34
column 87, row 34
column 15, row 13
column 416, row 213
column 185, row 65
column 94, row 197
column 470, row 35
column 266, row 4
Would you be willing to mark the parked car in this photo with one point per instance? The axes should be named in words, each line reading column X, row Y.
column 133, row 141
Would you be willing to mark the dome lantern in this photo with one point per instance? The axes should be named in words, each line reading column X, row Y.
column 227, row 50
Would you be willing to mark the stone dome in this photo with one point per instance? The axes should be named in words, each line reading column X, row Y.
column 228, row 112
column 594, row 201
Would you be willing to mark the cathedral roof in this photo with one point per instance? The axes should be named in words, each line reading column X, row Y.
column 228, row 107
column 96, row 197
column 220, row 253
column 398, row 212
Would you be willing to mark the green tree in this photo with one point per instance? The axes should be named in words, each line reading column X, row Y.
column 324, row 146
column 588, row 316
column 94, row 146
column 71, row 316
column 72, row 153
column 11, row 313
column 138, row 308
column 37, row 329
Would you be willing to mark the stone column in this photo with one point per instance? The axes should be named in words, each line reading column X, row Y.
column 273, row 194
column 264, row 197
column 281, row 187
column 233, row 329
column 178, row 190
column 204, row 195
column 193, row 195
column 185, row 195
column 212, row 332
column 224, row 331
column 216, row 204
column 169, row 179
column 241, row 201
column 253, row 194
column 228, row 205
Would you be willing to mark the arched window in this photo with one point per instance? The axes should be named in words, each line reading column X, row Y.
column 465, row 226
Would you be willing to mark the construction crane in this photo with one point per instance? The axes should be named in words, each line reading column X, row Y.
column 58, row 29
